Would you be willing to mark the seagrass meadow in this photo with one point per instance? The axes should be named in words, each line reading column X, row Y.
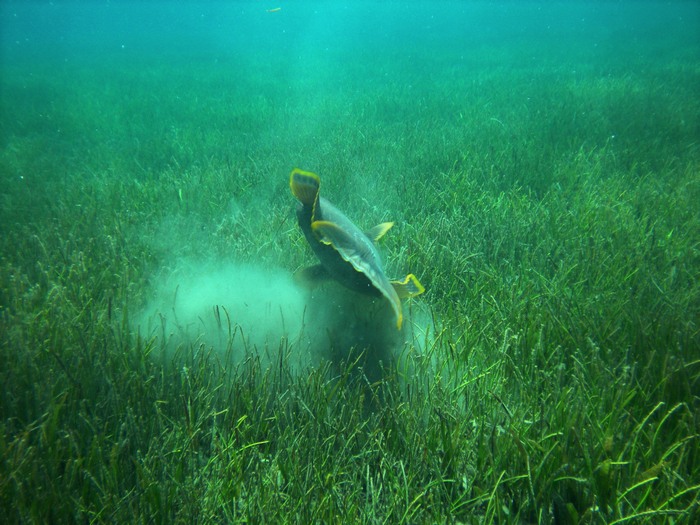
column 161, row 363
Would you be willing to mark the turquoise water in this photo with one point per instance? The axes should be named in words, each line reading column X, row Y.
column 305, row 57
column 300, row 80
column 307, row 31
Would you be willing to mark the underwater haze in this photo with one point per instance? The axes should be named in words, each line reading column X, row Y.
column 164, row 357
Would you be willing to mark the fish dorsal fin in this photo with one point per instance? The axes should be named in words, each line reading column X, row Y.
column 349, row 249
column 379, row 230
column 305, row 186
column 409, row 287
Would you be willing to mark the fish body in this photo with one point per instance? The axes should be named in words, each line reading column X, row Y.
column 346, row 253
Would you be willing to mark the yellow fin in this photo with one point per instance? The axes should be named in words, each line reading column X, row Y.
column 409, row 287
column 379, row 230
column 305, row 186
column 330, row 233
column 356, row 252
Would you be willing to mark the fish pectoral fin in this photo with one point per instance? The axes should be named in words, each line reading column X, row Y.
column 305, row 186
column 379, row 230
column 312, row 276
column 330, row 233
column 409, row 287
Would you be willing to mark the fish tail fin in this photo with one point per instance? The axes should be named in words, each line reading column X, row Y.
column 305, row 186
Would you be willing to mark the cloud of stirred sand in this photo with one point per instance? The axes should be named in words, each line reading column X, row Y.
column 225, row 305
column 239, row 310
